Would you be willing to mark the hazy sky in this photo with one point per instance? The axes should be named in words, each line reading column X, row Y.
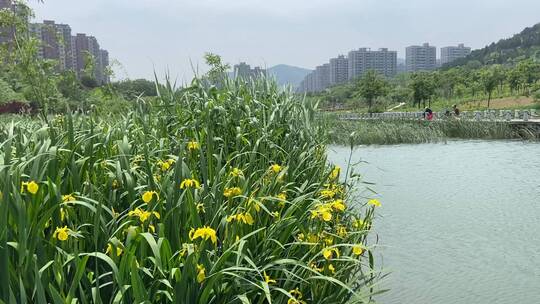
column 169, row 34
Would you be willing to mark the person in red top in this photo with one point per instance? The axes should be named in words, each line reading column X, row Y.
column 428, row 114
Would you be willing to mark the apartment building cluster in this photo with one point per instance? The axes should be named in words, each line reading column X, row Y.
column 424, row 57
column 244, row 70
column 452, row 53
column 71, row 52
column 342, row 69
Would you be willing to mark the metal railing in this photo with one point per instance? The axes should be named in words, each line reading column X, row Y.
column 491, row 115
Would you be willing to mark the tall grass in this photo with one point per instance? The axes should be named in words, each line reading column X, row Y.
column 385, row 132
column 206, row 195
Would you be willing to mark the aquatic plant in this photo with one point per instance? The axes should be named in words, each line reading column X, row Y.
column 205, row 195
column 384, row 132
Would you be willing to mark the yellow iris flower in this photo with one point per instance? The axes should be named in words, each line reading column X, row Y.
column 190, row 183
column 297, row 297
column 330, row 253
column 68, row 198
column 328, row 193
column 374, row 202
column 61, row 233
column 338, row 205
column 322, row 212
column 205, row 233
column 332, row 268
column 193, row 145
column 31, row 187
column 232, row 192
column 275, row 168
column 245, row 218
column 117, row 250
column 201, row 273
column 267, row 278
column 335, row 173
column 148, row 195
column 235, row 172
column 143, row 215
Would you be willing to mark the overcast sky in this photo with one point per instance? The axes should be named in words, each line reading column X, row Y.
column 174, row 34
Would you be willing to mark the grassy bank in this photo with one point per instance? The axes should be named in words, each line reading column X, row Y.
column 204, row 196
column 406, row 131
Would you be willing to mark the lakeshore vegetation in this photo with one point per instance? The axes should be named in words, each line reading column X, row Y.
column 205, row 195
column 390, row 132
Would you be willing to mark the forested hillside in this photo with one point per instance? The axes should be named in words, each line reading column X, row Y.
column 507, row 51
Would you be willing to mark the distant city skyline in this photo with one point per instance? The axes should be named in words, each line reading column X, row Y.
column 174, row 35
column 343, row 69
column 70, row 50
column 56, row 42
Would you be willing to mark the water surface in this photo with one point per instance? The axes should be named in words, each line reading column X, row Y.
column 460, row 222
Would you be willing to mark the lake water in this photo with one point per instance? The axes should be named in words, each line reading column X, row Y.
column 460, row 222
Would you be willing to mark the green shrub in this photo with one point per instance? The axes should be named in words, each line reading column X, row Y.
column 7, row 94
column 536, row 95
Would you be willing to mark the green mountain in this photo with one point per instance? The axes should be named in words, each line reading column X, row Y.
column 288, row 75
column 507, row 51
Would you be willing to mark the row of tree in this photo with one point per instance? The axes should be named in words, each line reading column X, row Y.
column 421, row 88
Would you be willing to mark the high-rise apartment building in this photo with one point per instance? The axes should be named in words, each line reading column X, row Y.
column 86, row 51
column 104, row 61
column 451, row 53
column 6, row 33
column 64, row 38
column 342, row 69
column 362, row 60
column 6, row 4
column 55, row 42
column 308, row 85
column 73, row 53
column 244, row 70
column 94, row 51
column 322, row 77
column 421, row 58
column 80, row 53
column 339, row 70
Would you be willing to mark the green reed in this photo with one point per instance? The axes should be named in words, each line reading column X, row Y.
column 204, row 195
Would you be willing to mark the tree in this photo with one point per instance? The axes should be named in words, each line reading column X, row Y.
column 529, row 71
column 372, row 86
column 422, row 86
column 20, row 56
column 489, row 80
column 399, row 94
column 7, row 94
column 449, row 80
column 473, row 82
column 218, row 69
column 131, row 89
column 514, row 80
column 500, row 75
